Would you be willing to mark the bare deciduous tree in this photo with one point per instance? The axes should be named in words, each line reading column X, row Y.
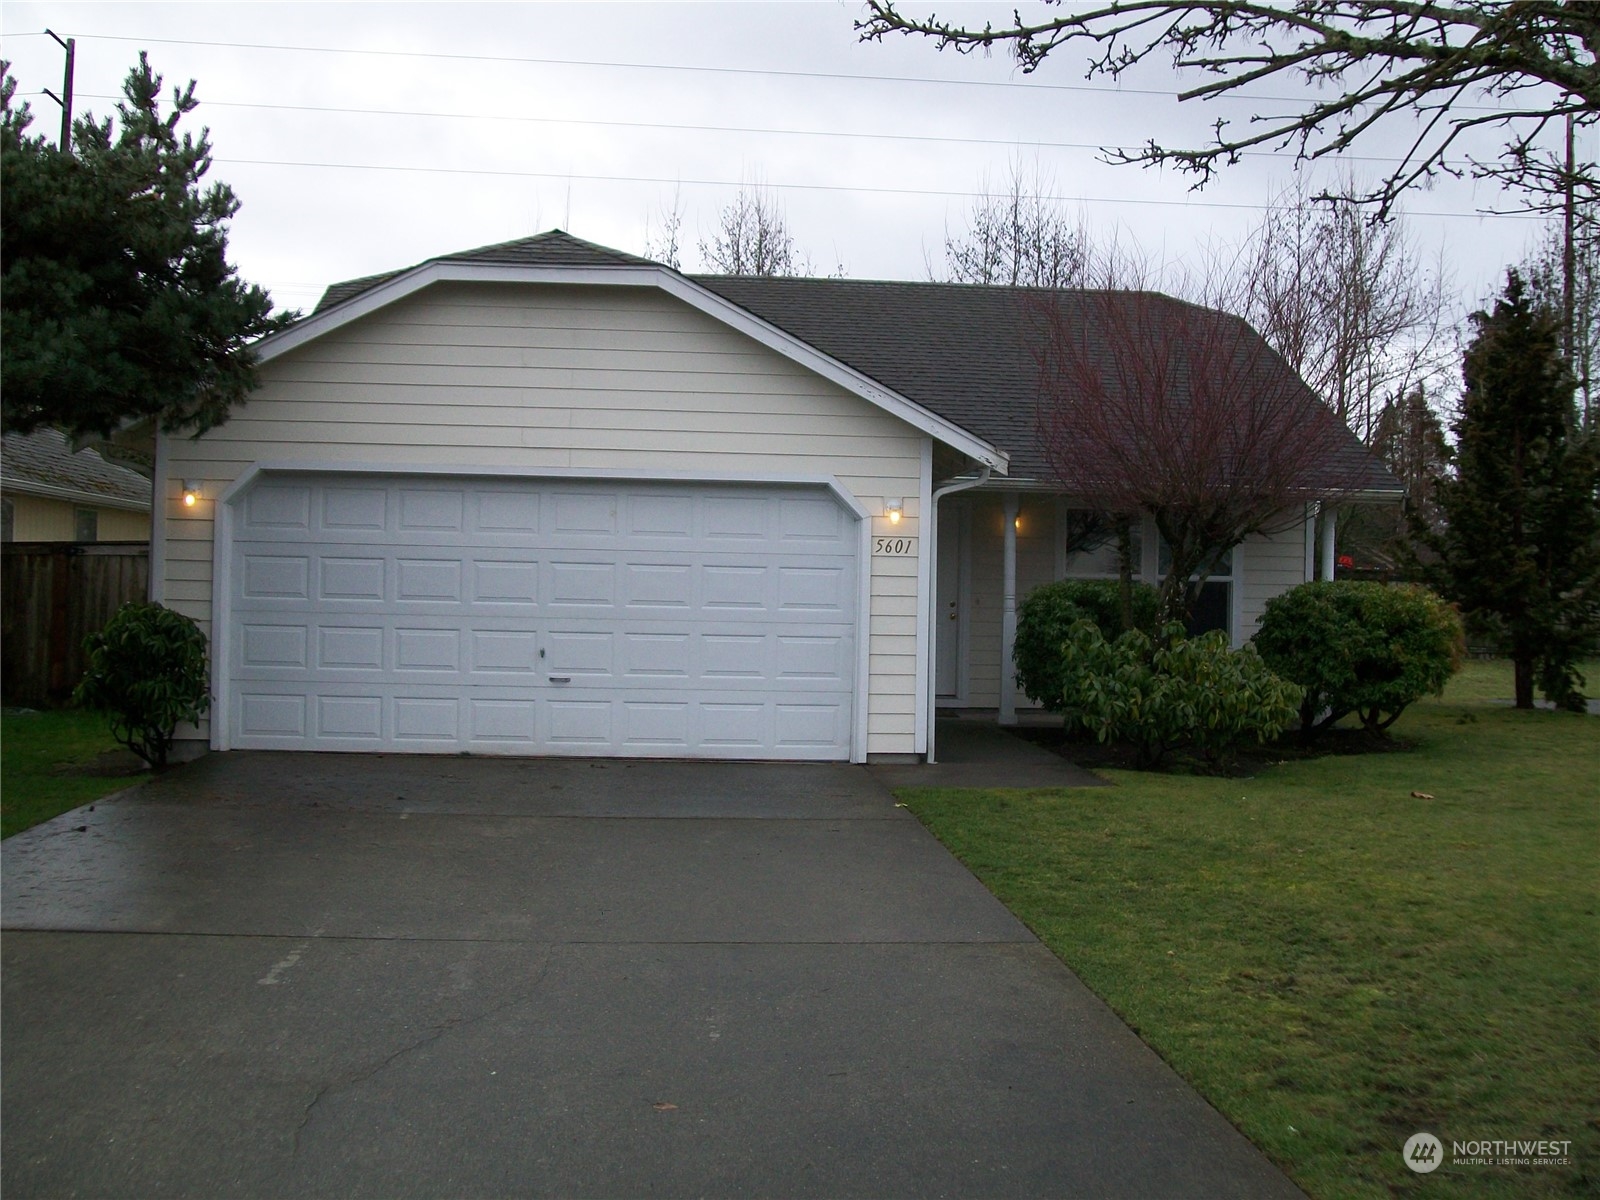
column 1368, row 63
column 1578, row 302
column 1018, row 236
column 752, row 238
column 1151, row 405
column 1352, row 305
column 664, row 246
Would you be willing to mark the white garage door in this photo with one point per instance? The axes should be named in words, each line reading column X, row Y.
column 521, row 617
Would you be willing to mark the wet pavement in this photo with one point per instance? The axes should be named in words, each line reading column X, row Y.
column 328, row 975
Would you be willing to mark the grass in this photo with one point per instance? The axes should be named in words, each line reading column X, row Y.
column 37, row 752
column 1334, row 962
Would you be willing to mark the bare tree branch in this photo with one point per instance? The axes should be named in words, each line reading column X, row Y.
column 1389, row 59
column 1151, row 405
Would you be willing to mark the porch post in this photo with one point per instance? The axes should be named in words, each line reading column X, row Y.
column 1008, row 615
column 1328, row 521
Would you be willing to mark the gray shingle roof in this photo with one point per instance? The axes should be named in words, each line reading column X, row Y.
column 967, row 352
column 551, row 249
column 972, row 353
column 42, row 463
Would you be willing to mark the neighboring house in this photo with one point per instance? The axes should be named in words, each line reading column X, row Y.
column 549, row 498
column 51, row 493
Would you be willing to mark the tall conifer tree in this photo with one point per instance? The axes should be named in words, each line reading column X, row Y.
column 118, row 299
column 1520, row 547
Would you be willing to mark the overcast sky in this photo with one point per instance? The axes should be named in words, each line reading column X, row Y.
column 366, row 137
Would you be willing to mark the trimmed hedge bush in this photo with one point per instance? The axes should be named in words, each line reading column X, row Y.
column 1364, row 648
column 1046, row 617
column 147, row 672
column 1191, row 693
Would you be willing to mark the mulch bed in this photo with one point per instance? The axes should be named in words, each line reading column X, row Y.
column 1083, row 751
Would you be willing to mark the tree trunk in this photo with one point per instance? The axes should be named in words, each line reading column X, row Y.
column 1524, row 664
column 1125, row 573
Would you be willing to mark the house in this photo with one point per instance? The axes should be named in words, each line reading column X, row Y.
column 549, row 498
column 50, row 492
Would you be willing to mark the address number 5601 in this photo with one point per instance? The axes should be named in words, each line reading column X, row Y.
column 894, row 545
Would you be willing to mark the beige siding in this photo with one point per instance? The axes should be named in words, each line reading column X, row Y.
column 538, row 377
column 1272, row 565
column 39, row 519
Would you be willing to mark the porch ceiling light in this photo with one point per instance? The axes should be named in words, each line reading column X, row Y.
column 894, row 510
column 191, row 492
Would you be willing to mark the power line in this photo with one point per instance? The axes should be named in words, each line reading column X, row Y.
column 1033, row 143
column 805, row 187
column 1030, row 84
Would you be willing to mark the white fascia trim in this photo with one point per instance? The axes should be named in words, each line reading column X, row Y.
column 675, row 285
column 622, row 474
column 924, row 599
column 50, row 491
column 158, row 525
column 862, row 703
column 221, row 612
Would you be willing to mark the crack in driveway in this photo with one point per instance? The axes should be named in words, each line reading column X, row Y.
column 435, row 1034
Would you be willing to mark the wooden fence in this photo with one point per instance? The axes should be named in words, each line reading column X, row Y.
column 53, row 595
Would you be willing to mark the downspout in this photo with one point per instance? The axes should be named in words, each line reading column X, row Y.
column 959, row 485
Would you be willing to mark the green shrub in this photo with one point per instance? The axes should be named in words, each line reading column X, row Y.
column 1046, row 616
column 1364, row 648
column 1191, row 693
column 147, row 672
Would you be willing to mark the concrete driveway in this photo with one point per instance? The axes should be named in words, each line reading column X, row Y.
column 322, row 975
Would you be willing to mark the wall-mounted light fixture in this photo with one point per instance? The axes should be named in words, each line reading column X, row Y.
column 1016, row 522
column 191, row 492
column 894, row 510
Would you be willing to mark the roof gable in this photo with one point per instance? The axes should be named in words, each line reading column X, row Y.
column 557, row 258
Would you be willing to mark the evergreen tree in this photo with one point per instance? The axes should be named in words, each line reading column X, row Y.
column 1520, row 549
column 118, row 299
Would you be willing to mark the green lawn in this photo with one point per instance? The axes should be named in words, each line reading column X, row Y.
column 34, row 748
column 1335, row 963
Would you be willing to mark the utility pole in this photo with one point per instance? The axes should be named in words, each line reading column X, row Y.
column 65, row 99
column 1569, row 254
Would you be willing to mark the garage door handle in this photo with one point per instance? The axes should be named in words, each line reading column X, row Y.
column 561, row 679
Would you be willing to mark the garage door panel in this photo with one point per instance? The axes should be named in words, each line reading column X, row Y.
column 348, row 718
column 500, row 582
column 654, row 657
column 431, row 510
column 362, row 511
column 430, row 580
column 813, row 591
column 279, row 507
column 514, row 617
column 427, row 719
column 504, row 652
column 669, row 518
column 274, row 647
column 346, row 579
column 275, row 577
column 350, row 647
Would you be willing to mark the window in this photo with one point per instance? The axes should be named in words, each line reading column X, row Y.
column 1099, row 559
column 8, row 520
column 85, row 525
column 1214, row 608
